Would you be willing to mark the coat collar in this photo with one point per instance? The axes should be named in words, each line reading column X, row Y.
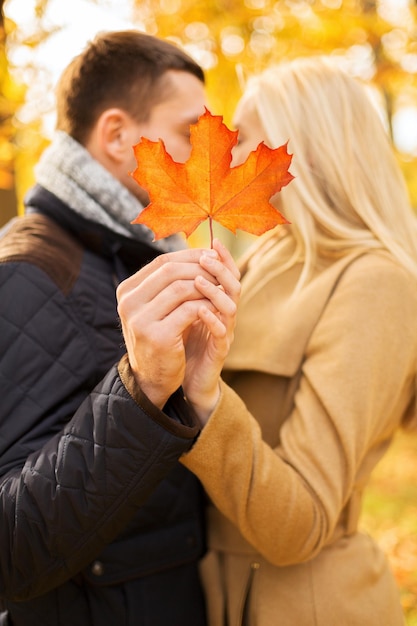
column 93, row 236
column 273, row 329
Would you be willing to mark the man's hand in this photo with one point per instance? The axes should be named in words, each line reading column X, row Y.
column 178, row 299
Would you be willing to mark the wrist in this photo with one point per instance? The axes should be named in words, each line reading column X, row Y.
column 155, row 394
column 205, row 405
column 136, row 385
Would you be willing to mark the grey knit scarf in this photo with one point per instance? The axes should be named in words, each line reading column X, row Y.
column 67, row 170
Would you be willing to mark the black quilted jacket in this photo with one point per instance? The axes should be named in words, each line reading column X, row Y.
column 99, row 523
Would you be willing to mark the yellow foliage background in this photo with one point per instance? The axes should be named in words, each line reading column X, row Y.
column 232, row 39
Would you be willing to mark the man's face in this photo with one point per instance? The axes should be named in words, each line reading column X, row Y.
column 170, row 121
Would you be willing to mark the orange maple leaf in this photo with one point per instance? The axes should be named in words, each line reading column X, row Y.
column 182, row 195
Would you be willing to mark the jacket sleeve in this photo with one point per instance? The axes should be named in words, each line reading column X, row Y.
column 358, row 376
column 67, row 490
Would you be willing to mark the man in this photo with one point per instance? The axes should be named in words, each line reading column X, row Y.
column 99, row 524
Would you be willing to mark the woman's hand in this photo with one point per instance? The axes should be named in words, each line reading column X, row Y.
column 208, row 340
column 179, row 302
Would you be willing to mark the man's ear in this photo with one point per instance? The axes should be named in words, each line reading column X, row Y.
column 111, row 139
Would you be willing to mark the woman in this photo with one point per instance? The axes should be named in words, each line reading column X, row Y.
column 322, row 370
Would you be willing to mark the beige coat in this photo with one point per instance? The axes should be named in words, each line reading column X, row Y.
column 325, row 380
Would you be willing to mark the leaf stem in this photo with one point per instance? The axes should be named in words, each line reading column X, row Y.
column 211, row 231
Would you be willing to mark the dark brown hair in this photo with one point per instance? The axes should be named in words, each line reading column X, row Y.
column 124, row 69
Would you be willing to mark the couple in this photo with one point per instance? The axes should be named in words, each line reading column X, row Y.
column 175, row 453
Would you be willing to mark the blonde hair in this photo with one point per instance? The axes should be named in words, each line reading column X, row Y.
column 349, row 191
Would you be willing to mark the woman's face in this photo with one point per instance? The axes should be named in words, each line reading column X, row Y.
column 246, row 120
column 251, row 133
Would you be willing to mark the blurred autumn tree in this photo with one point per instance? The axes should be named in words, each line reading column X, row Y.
column 375, row 40
column 11, row 97
column 21, row 142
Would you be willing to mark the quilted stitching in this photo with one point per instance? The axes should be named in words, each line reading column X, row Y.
column 108, row 456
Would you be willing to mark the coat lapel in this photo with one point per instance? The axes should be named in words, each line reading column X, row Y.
column 272, row 328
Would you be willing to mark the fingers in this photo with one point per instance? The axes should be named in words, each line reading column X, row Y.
column 219, row 298
column 147, row 306
column 169, row 279
column 224, row 271
column 178, row 289
column 172, row 274
column 174, row 325
column 226, row 257
column 162, row 261
column 167, row 267
column 212, row 322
